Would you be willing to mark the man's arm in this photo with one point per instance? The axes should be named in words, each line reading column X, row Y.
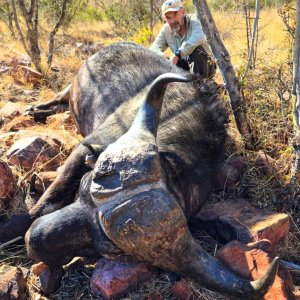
column 195, row 38
column 160, row 43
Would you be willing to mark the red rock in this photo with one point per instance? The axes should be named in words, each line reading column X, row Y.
column 43, row 180
column 237, row 220
column 12, row 283
column 7, row 182
column 182, row 291
column 23, row 60
column 10, row 110
column 231, row 172
column 37, row 152
column 252, row 261
column 25, row 75
column 38, row 268
column 20, row 123
column 113, row 278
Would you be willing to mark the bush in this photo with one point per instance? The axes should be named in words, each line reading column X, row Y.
column 90, row 13
column 128, row 16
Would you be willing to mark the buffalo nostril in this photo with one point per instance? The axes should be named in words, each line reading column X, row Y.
column 108, row 181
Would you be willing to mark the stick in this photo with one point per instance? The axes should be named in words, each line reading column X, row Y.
column 10, row 242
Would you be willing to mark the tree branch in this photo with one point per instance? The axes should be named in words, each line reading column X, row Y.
column 253, row 38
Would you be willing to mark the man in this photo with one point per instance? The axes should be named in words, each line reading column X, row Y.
column 183, row 34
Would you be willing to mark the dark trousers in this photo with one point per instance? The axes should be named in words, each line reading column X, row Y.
column 199, row 62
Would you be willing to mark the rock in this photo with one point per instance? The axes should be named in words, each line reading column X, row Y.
column 20, row 123
column 113, row 278
column 22, row 60
column 12, row 283
column 38, row 268
column 237, row 220
column 251, row 261
column 37, row 152
column 43, row 180
column 25, row 75
column 182, row 291
column 49, row 278
column 266, row 163
column 231, row 172
column 10, row 110
column 7, row 183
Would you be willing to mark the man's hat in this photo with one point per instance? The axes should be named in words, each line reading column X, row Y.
column 171, row 5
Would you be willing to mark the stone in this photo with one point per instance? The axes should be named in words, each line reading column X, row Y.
column 182, row 291
column 7, row 181
column 20, row 123
column 22, row 60
column 265, row 163
column 12, row 283
column 37, row 152
column 237, row 220
column 49, row 278
column 38, row 268
column 26, row 75
column 10, row 110
column 230, row 174
column 114, row 278
column 43, row 180
column 251, row 261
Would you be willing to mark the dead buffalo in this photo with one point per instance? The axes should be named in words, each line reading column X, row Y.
column 154, row 136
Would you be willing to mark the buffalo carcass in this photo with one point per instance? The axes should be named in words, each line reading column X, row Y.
column 154, row 136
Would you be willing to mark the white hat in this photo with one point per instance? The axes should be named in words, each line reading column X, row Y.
column 171, row 5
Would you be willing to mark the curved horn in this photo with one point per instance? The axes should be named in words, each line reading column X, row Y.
column 204, row 269
column 149, row 113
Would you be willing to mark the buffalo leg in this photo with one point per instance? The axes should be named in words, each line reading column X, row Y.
column 59, row 194
column 58, row 237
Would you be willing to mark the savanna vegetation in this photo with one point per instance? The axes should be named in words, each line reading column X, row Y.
column 266, row 88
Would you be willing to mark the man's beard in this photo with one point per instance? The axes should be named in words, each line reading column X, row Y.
column 175, row 28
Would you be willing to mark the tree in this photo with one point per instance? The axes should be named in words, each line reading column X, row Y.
column 296, row 93
column 58, row 12
column 224, row 63
column 30, row 15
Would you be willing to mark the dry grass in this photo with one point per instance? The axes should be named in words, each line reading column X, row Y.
column 269, row 116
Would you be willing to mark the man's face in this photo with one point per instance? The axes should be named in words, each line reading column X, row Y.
column 175, row 19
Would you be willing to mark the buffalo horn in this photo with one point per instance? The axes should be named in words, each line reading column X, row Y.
column 209, row 272
column 149, row 113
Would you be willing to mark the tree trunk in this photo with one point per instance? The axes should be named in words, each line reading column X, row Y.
column 53, row 32
column 296, row 92
column 31, row 19
column 223, row 60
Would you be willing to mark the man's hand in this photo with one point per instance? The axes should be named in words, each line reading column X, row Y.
column 174, row 59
